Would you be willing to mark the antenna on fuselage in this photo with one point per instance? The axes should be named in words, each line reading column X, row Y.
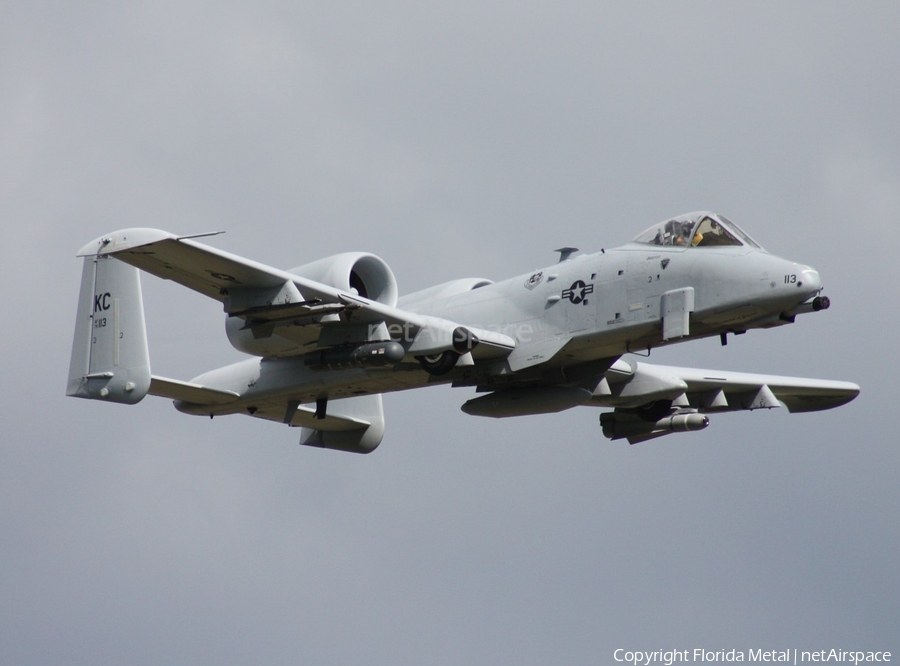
column 565, row 253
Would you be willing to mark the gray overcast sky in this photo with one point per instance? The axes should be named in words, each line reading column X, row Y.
column 452, row 140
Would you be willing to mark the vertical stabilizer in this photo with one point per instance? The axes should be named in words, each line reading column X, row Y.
column 366, row 410
column 110, row 360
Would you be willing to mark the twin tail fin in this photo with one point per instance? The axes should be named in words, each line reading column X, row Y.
column 110, row 360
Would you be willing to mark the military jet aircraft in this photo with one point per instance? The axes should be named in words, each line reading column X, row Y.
column 328, row 338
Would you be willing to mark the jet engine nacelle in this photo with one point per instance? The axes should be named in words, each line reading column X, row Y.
column 356, row 272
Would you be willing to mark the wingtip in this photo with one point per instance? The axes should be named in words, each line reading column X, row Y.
column 124, row 239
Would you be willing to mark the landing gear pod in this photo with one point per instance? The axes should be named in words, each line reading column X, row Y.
column 439, row 364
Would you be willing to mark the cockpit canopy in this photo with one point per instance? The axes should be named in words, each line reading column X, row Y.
column 696, row 230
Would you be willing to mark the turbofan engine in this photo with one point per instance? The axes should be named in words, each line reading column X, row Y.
column 357, row 273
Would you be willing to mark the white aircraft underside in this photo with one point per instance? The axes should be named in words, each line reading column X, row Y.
column 331, row 336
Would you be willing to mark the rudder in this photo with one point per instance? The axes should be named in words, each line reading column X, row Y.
column 110, row 359
column 367, row 410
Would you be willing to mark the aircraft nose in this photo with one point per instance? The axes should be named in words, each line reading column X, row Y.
column 810, row 280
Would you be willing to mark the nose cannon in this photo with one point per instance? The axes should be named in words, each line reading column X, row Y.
column 789, row 289
column 812, row 305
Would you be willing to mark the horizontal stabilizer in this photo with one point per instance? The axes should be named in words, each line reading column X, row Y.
column 198, row 267
column 189, row 392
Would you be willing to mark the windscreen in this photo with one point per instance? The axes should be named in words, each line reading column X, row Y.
column 704, row 230
column 739, row 232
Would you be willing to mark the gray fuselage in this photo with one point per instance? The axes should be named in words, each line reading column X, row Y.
column 569, row 320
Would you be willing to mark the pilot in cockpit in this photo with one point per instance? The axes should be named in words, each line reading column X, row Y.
column 702, row 230
column 680, row 232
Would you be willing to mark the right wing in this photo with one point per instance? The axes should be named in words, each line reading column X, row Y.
column 654, row 400
column 745, row 390
column 631, row 383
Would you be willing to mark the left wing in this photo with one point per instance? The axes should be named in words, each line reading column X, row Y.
column 270, row 298
column 655, row 400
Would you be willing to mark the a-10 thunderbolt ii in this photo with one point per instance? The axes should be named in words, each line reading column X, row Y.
column 328, row 338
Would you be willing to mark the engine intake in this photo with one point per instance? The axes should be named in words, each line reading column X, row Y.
column 356, row 272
